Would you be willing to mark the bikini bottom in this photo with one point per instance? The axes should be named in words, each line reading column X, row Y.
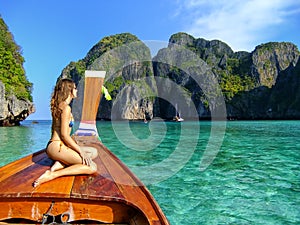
column 50, row 141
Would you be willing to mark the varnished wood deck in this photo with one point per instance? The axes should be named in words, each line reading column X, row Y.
column 112, row 195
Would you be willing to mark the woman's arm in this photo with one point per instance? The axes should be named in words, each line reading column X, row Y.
column 65, row 129
column 65, row 135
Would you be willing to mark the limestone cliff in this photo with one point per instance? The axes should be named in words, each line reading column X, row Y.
column 263, row 84
column 129, row 77
column 196, row 77
column 12, row 109
column 15, row 90
column 270, row 59
column 275, row 68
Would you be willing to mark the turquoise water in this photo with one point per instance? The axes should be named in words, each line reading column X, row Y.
column 253, row 177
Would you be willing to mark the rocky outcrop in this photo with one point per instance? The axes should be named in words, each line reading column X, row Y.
column 15, row 90
column 270, row 59
column 183, row 79
column 275, row 68
column 196, row 77
column 13, row 110
column 129, row 77
column 263, row 84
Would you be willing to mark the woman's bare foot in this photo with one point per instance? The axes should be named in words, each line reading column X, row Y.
column 43, row 178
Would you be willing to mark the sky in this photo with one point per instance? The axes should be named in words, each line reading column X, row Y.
column 52, row 33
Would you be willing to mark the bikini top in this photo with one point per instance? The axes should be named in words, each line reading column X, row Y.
column 56, row 124
column 72, row 121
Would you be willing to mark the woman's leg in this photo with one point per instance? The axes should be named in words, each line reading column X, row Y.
column 76, row 169
column 57, row 166
column 67, row 156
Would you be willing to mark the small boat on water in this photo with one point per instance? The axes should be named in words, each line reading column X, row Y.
column 113, row 195
column 177, row 117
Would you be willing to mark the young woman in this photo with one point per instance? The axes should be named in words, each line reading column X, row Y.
column 69, row 158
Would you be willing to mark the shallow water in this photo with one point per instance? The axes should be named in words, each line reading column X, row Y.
column 253, row 174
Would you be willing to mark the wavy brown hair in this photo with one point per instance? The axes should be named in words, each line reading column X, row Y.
column 61, row 92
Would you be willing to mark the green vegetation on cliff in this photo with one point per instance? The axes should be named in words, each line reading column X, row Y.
column 12, row 73
column 254, row 84
column 108, row 43
column 76, row 70
column 234, row 79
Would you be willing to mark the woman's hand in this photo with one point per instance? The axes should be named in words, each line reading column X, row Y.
column 86, row 160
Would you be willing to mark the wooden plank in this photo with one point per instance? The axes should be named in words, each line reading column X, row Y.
column 20, row 183
column 18, row 165
column 104, row 158
column 98, row 186
column 108, row 212
column 17, row 185
column 91, row 98
column 142, row 187
column 129, row 188
column 57, row 188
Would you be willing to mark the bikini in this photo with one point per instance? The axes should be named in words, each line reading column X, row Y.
column 71, row 124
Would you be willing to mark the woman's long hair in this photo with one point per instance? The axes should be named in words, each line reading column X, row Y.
column 61, row 92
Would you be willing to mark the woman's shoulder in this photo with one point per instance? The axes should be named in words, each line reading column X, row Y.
column 65, row 108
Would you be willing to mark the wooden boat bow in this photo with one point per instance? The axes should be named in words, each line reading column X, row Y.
column 113, row 195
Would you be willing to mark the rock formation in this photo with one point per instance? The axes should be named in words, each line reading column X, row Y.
column 197, row 77
column 15, row 90
column 129, row 77
column 12, row 109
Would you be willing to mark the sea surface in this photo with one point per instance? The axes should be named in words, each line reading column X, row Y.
column 235, row 172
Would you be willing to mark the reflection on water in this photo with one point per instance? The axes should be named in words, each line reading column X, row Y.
column 16, row 142
column 254, row 179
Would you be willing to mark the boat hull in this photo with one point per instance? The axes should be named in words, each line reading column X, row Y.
column 114, row 195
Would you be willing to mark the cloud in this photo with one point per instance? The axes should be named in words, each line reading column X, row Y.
column 241, row 24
